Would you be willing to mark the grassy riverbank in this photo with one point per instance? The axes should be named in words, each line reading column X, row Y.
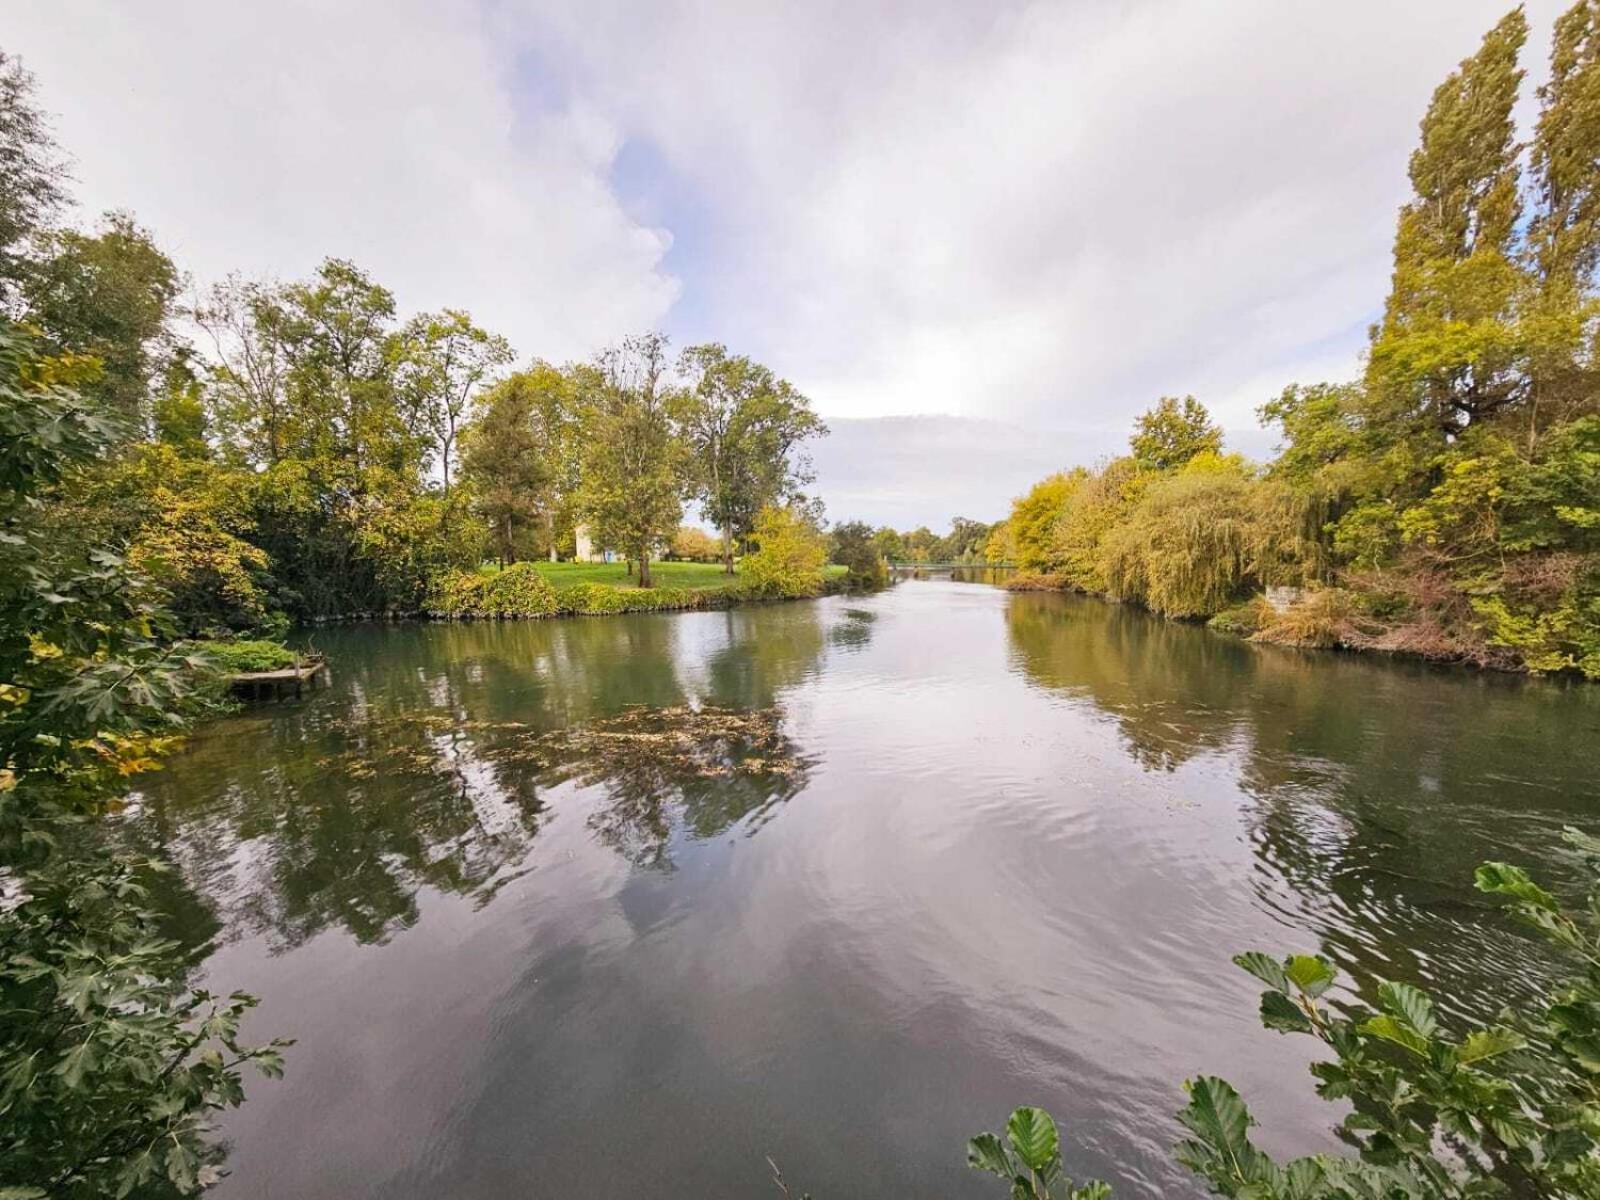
column 545, row 589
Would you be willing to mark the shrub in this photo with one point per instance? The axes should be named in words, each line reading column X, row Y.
column 1244, row 619
column 240, row 657
column 518, row 591
column 596, row 599
column 457, row 594
column 593, row 599
column 1036, row 581
column 790, row 557
column 1321, row 619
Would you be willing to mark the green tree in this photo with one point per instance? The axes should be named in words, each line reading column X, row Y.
column 32, row 176
column 109, row 296
column 442, row 361
column 1034, row 516
column 1173, row 432
column 744, row 427
column 635, row 463
column 889, row 544
column 520, row 455
column 1449, row 350
column 851, row 545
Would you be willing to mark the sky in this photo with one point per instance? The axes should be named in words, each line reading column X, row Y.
column 981, row 237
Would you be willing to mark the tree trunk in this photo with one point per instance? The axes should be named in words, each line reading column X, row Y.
column 644, row 569
column 727, row 551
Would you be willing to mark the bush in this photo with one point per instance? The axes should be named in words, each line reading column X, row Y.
column 596, row 599
column 1244, row 619
column 1036, row 581
column 518, row 591
column 790, row 557
column 241, row 657
column 1322, row 619
column 457, row 594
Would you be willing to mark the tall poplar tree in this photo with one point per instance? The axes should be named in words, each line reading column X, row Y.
column 1564, row 230
column 1449, row 350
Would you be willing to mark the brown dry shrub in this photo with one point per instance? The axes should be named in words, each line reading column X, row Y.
column 1036, row 581
column 1322, row 618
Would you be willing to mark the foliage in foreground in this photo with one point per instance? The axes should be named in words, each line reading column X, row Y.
column 110, row 1067
column 1508, row 1109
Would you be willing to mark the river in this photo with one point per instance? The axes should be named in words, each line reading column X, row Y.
column 622, row 906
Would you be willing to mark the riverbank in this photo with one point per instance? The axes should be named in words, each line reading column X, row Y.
column 1331, row 618
column 537, row 590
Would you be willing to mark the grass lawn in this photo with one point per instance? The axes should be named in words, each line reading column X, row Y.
column 564, row 575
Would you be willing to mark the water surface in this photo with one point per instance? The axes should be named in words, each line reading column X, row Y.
column 624, row 905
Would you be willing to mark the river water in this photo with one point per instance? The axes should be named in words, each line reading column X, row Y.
column 623, row 906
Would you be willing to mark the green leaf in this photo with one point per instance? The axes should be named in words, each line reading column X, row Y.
column 76, row 1063
column 1263, row 967
column 1486, row 1043
column 1218, row 1116
column 1033, row 1136
column 1310, row 973
column 1502, row 879
column 1283, row 1014
column 1398, row 1032
column 1410, row 1004
column 985, row 1153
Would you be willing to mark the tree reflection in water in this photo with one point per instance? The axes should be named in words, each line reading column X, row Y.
column 1374, row 786
column 434, row 760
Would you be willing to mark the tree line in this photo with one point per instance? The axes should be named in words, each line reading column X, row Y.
column 1446, row 502
column 303, row 449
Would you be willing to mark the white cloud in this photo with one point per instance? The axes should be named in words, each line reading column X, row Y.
column 264, row 137
column 1043, row 213
column 1049, row 212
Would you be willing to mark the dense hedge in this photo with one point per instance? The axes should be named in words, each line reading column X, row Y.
column 521, row 591
column 517, row 591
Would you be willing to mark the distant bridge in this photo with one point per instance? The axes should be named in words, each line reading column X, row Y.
column 945, row 566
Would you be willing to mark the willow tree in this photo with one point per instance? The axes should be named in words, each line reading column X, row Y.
column 1449, row 350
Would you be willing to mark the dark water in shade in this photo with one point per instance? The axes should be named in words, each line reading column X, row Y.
column 859, row 876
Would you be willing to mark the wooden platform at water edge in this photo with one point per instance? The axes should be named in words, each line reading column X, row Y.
column 258, row 685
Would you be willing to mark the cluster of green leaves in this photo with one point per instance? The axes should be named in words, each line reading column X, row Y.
column 249, row 655
column 1030, row 1160
column 1506, row 1109
column 109, row 1066
column 851, row 547
column 517, row 591
column 790, row 555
